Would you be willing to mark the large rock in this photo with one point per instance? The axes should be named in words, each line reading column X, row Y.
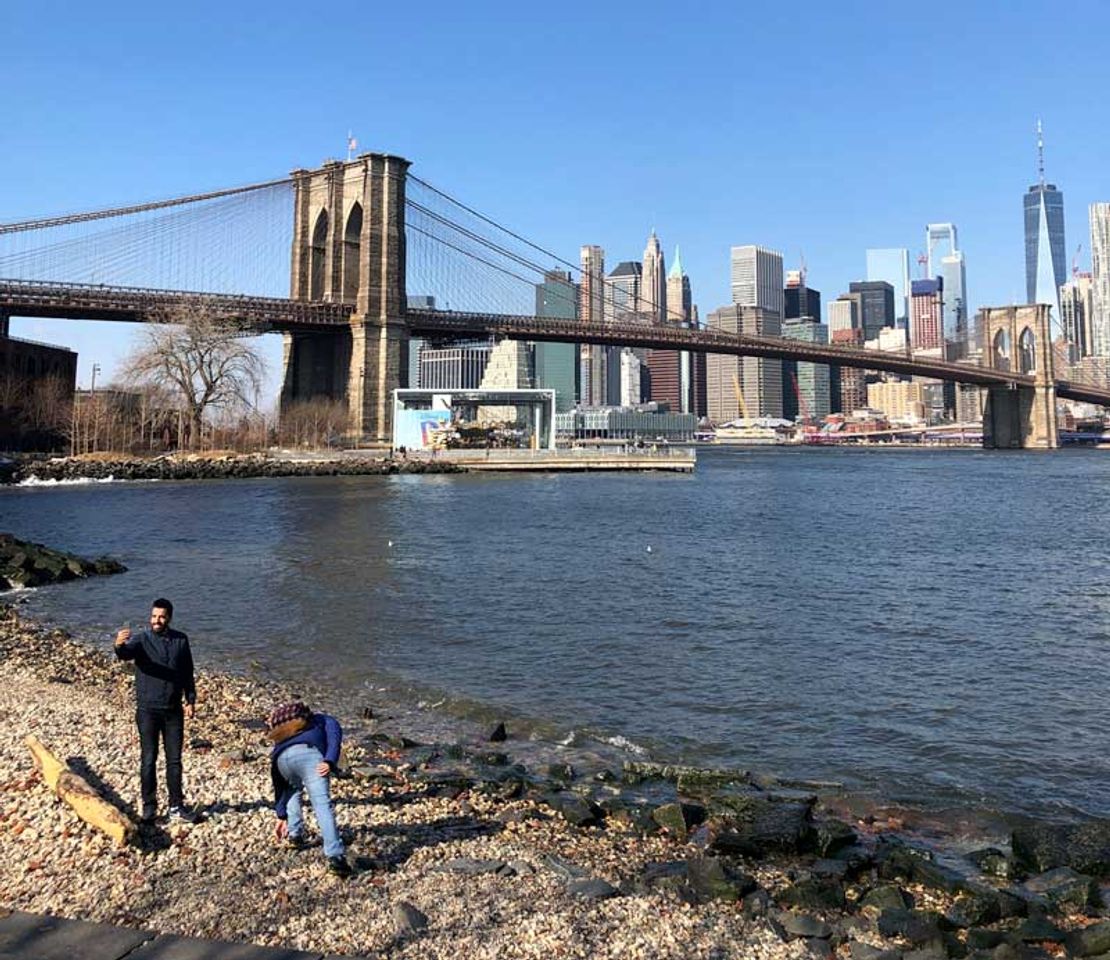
column 1084, row 847
column 767, row 827
column 1063, row 888
column 708, row 878
column 27, row 564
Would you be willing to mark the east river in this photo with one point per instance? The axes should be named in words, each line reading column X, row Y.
column 929, row 628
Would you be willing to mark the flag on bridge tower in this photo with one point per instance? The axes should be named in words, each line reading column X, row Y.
column 352, row 144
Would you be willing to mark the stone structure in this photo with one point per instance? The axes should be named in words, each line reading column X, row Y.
column 1018, row 339
column 349, row 247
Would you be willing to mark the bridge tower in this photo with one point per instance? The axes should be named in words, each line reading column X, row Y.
column 1019, row 339
column 349, row 247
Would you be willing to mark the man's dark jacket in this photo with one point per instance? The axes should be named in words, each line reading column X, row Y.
column 163, row 668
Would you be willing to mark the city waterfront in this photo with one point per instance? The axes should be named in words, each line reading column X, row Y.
column 923, row 628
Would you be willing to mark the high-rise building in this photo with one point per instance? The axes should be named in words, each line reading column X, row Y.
column 877, row 305
column 412, row 367
column 798, row 299
column 1045, row 263
column 851, row 382
column 757, row 380
column 805, row 386
column 622, row 290
column 653, row 283
column 946, row 260
column 844, row 313
column 680, row 303
column 926, row 316
column 458, row 367
column 556, row 365
column 1077, row 310
column 1100, row 269
column 591, row 309
column 623, row 305
column 756, row 277
column 892, row 264
column 669, row 371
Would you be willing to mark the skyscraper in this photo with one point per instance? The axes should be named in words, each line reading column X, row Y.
column 892, row 264
column 843, row 313
column 756, row 277
column 623, row 305
column 1100, row 268
column 805, row 386
column 877, row 303
column 670, row 372
column 1044, row 237
column 946, row 261
column 926, row 317
column 591, row 300
column 556, row 364
column 653, row 282
column 799, row 299
column 1077, row 313
column 757, row 380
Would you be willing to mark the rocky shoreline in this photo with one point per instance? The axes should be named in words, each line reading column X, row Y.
column 460, row 850
column 27, row 564
column 236, row 467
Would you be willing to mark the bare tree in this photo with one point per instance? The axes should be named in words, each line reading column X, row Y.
column 204, row 361
column 312, row 423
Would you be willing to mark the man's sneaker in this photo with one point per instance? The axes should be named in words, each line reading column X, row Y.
column 296, row 842
column 339, row 866
column 182, row 815
column 148, row 817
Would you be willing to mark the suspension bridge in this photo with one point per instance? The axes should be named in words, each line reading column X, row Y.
column 328, row 258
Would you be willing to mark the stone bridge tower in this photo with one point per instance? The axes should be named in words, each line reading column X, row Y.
column 1019, row 339
column 349, row 247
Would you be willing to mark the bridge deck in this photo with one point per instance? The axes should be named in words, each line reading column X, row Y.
column 135, row 304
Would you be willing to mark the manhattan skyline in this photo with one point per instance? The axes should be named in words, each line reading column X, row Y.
column 132, row 107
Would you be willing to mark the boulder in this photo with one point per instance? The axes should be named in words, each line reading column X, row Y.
column 708, row 878
column 574, row 809
column 803, row 925
column 832, row 836
column 1090, row 941
column 1063, row 888
column 887, row 896
column 993, row 862
column 916, row 926
column 1084, row 847
column 678, row 818
column 814, row 894
column 767, row 827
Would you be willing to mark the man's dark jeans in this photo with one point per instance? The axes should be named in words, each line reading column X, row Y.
column 169, row 725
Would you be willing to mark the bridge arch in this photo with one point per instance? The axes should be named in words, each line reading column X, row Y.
column 318, row 256
column 1027, row 351
column 352, row 242
column 1000, row 350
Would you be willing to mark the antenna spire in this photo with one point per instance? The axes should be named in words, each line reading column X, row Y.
column 1040, row 153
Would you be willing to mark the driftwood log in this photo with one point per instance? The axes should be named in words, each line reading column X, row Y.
column 71, row 787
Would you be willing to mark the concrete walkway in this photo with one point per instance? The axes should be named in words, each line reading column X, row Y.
column 30, row 936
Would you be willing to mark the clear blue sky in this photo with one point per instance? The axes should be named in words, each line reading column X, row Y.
column 807, row 127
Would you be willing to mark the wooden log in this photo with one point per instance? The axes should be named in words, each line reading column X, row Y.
column 86, row 802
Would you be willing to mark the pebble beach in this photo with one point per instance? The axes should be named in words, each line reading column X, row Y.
column 438, row 872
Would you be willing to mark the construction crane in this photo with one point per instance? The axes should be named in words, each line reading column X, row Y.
column 741, row 405
column 1075, row 263
column 803, row 407
column 923, row 262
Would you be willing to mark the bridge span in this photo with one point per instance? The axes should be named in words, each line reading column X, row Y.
column 76, row 301
column 346, row 321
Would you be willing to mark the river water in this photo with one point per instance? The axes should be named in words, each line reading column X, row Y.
column 928, row 628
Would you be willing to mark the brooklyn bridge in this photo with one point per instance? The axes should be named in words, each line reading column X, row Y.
column 350, row 241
